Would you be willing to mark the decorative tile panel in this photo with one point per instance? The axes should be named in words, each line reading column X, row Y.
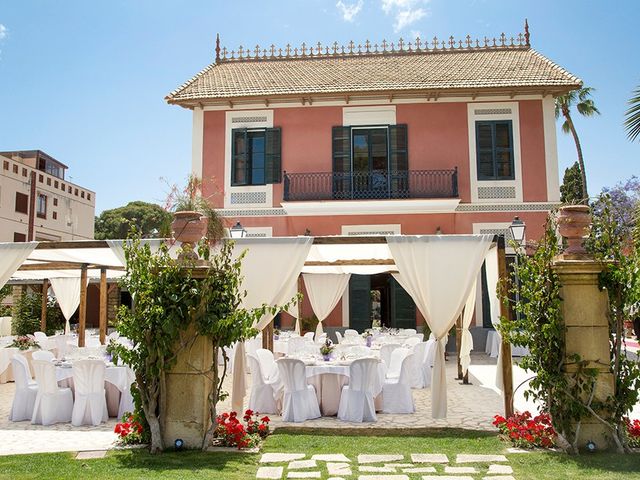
column 243, row 198
column 496, row 192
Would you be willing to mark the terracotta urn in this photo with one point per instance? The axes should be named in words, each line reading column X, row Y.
column 574, row 222
column 188, row 228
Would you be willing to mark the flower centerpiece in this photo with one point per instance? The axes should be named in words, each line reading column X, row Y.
column 276, row 334
column 231, row 432
column 526, row 432
column 368, row 336
column 24, row 342
column 326, row 349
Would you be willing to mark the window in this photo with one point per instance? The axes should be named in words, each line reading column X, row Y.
column 55, row 184
column 5, row 165
column 15, row 168
column 55, row 202
column 19, row 237
column 22, row 203
column 255, row 156
column 55, row 215
column 41, row 208
column 75, row 192
column 494, row 146
column 48, row 181
column 82, row 194
column 40, row 178
column 24, row 172
column 62, row 187
column 88, row 196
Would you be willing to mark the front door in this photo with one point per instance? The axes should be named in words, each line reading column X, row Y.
column 370, row 163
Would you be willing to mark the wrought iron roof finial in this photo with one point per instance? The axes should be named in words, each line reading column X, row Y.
column 526, row 33
column 217, row 48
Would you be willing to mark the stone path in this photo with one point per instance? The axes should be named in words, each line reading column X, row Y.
column 385, row 467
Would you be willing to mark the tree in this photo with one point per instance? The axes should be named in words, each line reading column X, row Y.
column 624, row 200
column 147, row 217
column 585, row 106
column 632, row 116
column 571, row 189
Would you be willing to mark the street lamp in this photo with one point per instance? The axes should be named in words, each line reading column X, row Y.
column 237, row 231
column 517, row 229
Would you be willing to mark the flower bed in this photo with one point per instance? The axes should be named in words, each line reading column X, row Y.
column 526, row 432
column 130, row 430
column 633, row 432
column 231, row 432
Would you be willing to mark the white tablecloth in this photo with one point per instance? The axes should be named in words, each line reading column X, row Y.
column 6, row 354
column 5, row 326
column 493, row 346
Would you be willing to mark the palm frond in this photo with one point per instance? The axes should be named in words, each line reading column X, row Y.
column 566, row 128
column 587, row 108
column 632, row 117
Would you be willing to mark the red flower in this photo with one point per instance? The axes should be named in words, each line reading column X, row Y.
column 265, row 419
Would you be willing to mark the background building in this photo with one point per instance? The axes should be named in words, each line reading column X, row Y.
column 38, row 203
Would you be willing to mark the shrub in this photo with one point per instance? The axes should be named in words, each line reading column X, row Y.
column 526, row 432
column 28, row 310
column 130, row 430
column 633, row 432
column 230, row 432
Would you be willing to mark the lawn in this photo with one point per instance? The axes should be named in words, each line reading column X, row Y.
column 138, row 464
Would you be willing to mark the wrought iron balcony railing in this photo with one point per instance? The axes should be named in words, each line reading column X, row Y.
column 374, row 185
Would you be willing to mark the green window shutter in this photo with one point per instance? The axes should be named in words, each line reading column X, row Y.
column 240, row 167
column 273, row 156
column 341, row 154
column 494, row 150
column 403, row 310
column 398, row 161
column 360, row 302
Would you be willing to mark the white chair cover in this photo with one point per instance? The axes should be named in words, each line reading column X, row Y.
column 419, row 358
column 45, row 355
column 61, row 342
column 295, row 346
column 53, row 404
column 26, row 390
column 385, row 354
column 339, row 337
column 357, row 351
column 267, row 364
column 395, row 364
column 90, row 407
column 409, row 331
column 309, row 335
column 350, row 332
column 396, row 392
column 262, row 398
column 356, row 399
column 42, row 340
column 300, row 401
column 412, row 341
column 429, row 359
column 320, row 339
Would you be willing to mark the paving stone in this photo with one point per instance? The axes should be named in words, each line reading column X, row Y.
column 500, row 469
column 464, row 458
column 517, row 450
column 446, row 477
column 399, row 465
column 332, row 457
column 91, row 454
column 335, row 478
column 269, row 472
column 296, row 464
column 501, row 477
column 303, row 475
column 339, row 468
column 379, row 458
column 460, row 470
column 383, row 477
column 419, row 470
column 280, row 457
column 429, row 458
column 371, row 469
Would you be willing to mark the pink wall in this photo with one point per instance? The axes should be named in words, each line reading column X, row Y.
column 213, row 156
column 532, row 150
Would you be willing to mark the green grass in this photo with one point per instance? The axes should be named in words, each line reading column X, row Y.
column 138, row 464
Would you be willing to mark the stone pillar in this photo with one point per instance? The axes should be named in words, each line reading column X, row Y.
column 585, row 311
column 186, row 408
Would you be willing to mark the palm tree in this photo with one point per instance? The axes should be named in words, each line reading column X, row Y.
column 632, row 120
column 585, row 106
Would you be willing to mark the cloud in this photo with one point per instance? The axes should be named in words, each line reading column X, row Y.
column 3, row 32
column 349, row 12
column 405, row 12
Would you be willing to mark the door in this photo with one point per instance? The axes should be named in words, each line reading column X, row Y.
column 370, row 162
column 403, row 310
column 360, row 302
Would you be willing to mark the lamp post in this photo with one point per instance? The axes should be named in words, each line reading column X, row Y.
column 237, row 231
column 517, row 229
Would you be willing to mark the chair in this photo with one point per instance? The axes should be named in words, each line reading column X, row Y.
column 339, row 337
column 417, row 369
column 409, row 331
column 420, row 336
column 351, row 332
column 53, row 404
column 309, row 335
column 356, row 399
column 395, row 363
column 296, row 345
column 90, row 407
column 45, row 355
column 42, row 339
column 385, row 353
column 300, row 401
column 267, row 364
column 262, row 398
column 396, row 392
column 412, row 342
column 427, row 365
column 358, row 351
column 26, row 390
column 61, row 342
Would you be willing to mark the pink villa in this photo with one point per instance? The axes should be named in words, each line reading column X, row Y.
column 449, row 137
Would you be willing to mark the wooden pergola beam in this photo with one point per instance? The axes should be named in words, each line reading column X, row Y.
column 43, row 311
column 82, row 314
column 103, row 305
column 339, row 263
column 65, row 266
column 505, row 346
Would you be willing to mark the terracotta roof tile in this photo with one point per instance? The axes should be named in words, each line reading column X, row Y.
column 483, row 68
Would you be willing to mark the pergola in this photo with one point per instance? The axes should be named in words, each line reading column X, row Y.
column 103, row 261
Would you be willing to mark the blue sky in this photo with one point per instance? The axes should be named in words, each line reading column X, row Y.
column 85, row 80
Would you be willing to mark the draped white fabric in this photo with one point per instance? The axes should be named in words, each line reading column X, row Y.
column 466, row 342
column 438, row 272
column 270, row 270
column 294, row 311
column 324, row 292
column 67, row 291
column 117, row 247
column 11, row 257
column 494, row 302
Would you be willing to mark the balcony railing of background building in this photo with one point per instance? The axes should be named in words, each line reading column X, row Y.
column 374, row 185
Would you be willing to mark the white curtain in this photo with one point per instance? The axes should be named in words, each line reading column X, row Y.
column 438, row 272
column 117, row 247
column 270, row 270
column 493, row 274
column 67, row 292
column 294, row 311
column 466, row 342
column 324, row 290
column 11, row 257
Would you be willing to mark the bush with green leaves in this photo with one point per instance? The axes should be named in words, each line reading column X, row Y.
column 28, row 310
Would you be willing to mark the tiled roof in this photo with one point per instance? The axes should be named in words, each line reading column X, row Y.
column 516, row 68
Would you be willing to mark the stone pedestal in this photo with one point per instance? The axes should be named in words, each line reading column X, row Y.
column 585, row 310
column 187, row 409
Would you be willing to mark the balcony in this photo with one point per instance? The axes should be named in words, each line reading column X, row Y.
column 373, row 185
